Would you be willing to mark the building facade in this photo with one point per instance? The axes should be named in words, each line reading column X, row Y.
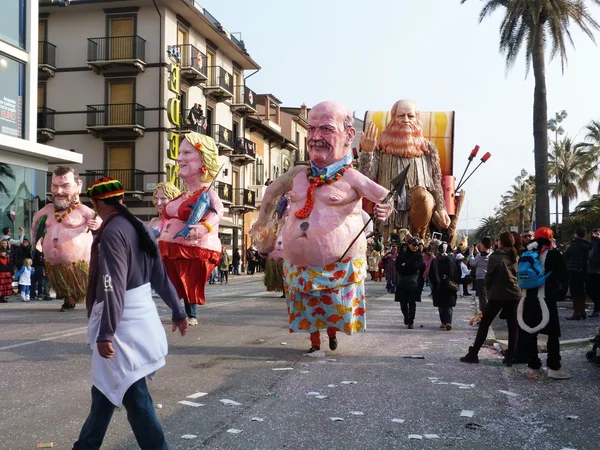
column 119, row 85
column 23, row 161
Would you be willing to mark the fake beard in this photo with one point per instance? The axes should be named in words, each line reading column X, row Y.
column 61, row 205
column 404, row 140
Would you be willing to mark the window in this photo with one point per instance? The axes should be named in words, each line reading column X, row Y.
column 12, row 75
column 120, row 163
column 12, row 22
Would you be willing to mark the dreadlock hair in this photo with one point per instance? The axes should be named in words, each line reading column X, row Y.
column 147, row 244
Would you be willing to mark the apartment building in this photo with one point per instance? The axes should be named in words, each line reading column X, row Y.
column 23, row 162
column 118, row 80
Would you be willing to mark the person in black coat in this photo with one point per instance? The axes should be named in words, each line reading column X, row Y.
column 444, row 279
column 538, row 312
column 410, row 268
column 576, row 258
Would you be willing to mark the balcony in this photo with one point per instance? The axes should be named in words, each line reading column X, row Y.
column 126, row 54
column 131, row 179
column 223, row 138
column 186, row 125
column 244, row 200
column 225, row 192
column 244, row 100
column 219, row 85
column 244, row 152
column 259, row 189
column 46, row 60
column 124, row 120
column 193, row 64
column 45, row 124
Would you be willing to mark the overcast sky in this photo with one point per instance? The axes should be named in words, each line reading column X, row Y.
column 368, row 54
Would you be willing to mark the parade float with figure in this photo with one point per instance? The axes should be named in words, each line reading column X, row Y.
column 424, row 142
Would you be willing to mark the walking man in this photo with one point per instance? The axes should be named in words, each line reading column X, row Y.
column 125, row 333
column 576, row 257
column 479, row 263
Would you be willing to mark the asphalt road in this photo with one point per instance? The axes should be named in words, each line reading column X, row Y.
column 243, row 337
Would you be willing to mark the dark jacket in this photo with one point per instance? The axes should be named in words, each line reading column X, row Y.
column 443, row 268
column 410, row 267
column 577, row 255
column 501, row 280
column 554, row 288
column 236, row 257
column 20, row 253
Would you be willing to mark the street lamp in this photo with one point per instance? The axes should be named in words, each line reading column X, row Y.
column 554, row 126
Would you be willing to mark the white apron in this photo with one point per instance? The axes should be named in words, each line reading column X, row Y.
column 140, row 345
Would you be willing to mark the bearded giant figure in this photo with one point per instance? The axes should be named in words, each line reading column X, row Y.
column 401, row 144
column 63, row 231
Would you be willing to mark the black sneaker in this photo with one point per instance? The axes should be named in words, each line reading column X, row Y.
column 470, row 357
column 314, row 348
column 410, row 326
column 67, row 307
column 332, row 343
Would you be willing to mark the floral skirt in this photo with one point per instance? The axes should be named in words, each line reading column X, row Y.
column 326, row 297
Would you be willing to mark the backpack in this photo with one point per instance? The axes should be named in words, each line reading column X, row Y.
column 530, row 272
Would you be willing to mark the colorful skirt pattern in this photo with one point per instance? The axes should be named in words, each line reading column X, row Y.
column 69, row 280
column 6, row 287
column 332, row 296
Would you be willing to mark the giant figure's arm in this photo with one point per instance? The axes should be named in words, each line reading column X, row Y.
column 436, row 175
column 276, row 189
column 368, row 163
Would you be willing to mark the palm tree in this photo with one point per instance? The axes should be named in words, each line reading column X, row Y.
column 591, row 206
column 488, row 226
column 5, row 171
column 532, row 24
column 521, row 197
column 574, row 167
column 591, row 141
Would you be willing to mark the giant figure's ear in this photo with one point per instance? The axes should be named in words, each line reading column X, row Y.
column 80, row 185
column 350, row 133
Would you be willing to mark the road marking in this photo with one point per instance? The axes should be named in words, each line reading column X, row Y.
column 82, row 330
column 22, row 344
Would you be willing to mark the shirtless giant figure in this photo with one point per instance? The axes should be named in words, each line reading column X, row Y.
column 325, row 215
column 64, row 228
column 402, row 143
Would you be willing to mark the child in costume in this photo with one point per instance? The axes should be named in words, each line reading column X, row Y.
column 6, row 276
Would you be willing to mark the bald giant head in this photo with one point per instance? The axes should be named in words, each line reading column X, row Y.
column 330, row 133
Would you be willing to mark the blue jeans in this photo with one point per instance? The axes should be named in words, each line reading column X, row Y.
column 37, row 282
column 140, row 414
column 190, row 309
column 445, row 314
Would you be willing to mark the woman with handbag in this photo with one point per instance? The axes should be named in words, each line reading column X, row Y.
column 410, row 267
column 504, row 294
column 444, row 277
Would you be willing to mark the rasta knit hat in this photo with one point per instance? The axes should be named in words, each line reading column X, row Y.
column 105, row 188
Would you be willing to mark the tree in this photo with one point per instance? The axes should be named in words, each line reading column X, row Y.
column 591, row 141
column 489, row 226
column 5, row 171
column 591, row 206
column 574, row 166
column 520, row 198
column 531, row 24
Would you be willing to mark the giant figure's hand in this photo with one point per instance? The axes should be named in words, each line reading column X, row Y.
column 94, row 224
column 441, row 219
column 368, row 139
column 198, row 231
column 264, row 232
column 382, row 211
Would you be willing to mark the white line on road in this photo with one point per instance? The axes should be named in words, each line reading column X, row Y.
column 81, row 330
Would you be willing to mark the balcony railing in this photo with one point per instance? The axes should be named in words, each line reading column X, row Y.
column 245, row 146
column 244, row 99
column 244, row 198
column 187, row 124
column 123, row 48
column 45, row 118
column 224, row 191
column 193, row 58
column 121, row 115
column 223, row 136
column 46, row 54
column 220, row 78
column 131, row 179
